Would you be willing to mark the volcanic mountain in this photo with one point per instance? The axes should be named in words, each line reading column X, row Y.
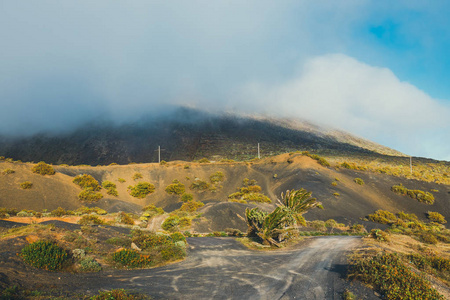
column 184, row 134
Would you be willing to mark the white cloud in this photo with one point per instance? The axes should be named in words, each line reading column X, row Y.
column 340, row 91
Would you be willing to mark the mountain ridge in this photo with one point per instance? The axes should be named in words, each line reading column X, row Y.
column 184, row 134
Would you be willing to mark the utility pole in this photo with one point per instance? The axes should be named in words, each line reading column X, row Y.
column 159, row 154
column 259, row 156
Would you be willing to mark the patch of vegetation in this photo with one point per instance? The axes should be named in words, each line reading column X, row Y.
column 26, row 185
column 171, row 223
column 359, row 181
column 44, row 255
column 347, row 295
column 164, row 247
column 352, row 166
column 419, row 195
column 8, row 171
column 7, row 212
column 84, row 210
column 89, row 196
column 270, row 227
column 43, row 169
column 199, row 185
column 59, row 212
column 110, row 187
column 129, row 258
column 383, row 217
column 250, row 191
column 124, row 218
column 204, row 161
column 121, row 180
column 87, row 182
column 379, row 235
column 141, row 190
column 187, row 197
column 392, row 278
column 137, row 176
column 217, row 177
column 436, row 217
column 118, row 294
column 89, row 264
column 318, row 158
column 90, row 220
column 191, row 206
column 176, row 188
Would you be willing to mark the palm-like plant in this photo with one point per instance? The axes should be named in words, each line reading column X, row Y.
column 295, row 203
column 269, row 227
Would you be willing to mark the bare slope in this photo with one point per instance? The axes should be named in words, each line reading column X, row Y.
column 274, row 175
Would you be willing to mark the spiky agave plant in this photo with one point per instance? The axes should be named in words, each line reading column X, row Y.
column 294, row 203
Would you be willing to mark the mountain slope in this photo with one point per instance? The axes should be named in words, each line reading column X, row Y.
column 183, row 134
column 274, row 175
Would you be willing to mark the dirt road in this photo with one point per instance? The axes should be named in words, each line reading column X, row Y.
column 221, row 268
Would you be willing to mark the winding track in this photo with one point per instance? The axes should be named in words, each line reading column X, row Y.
column 221, row 268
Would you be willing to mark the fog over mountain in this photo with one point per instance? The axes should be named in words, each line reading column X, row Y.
column 363, row 67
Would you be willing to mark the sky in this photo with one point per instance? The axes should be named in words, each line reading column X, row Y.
column 377, row 69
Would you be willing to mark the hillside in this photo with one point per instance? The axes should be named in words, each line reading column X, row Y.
column 274, row 175
column 184, row 134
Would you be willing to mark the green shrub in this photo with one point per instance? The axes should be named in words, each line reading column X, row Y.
column 8, row 171
column 110, row 187
column 177, row 237
column 382, row 217
column 89, row 196
column 407, row 217
column 141, row 190
column 171, row 223
column 439, row 263
column 392, row 278
column 87, row 182
column 119, row 241
column 379, row 235
column 88, row 264
column 44, row 255
column 26, row 185
column 318, row 158
column 187, row 197
column 59, row 212
column 436, row 217
column 419, row 195
column 137, row 176
column 154, row 209
column 249, row 192
column 217, row 177
column 43, row 169
column 83, row 210
column 428, row 238
column 124, row 218
column 204, row 161
column 121, row 180
column 199, row 185
column 131, row 259
column 151, row 240
column 173, row 252
column 90, row 220
column 176, row 188
column 359, row 181
column 184, row 222
column 118, row 294
column 191, row 206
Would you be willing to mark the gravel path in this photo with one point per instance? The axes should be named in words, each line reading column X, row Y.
column 221, row 268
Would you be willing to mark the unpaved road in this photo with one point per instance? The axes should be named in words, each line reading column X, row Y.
column 221, row 268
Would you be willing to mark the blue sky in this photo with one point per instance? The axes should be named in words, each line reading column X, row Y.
column 377, row 69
